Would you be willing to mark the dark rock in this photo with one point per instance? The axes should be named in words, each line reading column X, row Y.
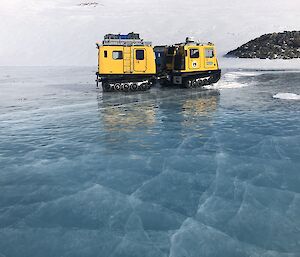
column 284, row 45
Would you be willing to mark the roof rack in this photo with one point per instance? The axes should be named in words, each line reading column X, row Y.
column 196, row 43
column 126, row 42
column 131, row 35
column 131, row 39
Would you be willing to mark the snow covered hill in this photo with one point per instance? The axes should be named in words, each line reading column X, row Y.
column 63, row 32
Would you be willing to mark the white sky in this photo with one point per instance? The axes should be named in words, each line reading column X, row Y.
column 59, row 32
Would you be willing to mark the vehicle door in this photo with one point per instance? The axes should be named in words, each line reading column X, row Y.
column 140, row 60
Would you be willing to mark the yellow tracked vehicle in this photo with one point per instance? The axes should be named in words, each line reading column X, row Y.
column 125, row 63
column 189, row 64
column 128, row 63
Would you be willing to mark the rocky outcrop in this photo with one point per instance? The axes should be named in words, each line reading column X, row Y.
column 285, row 45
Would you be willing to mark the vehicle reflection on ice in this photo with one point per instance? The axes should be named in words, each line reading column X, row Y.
column 156, row 119
column 128, row 118
column 195, row 108
column 125, row 119
column 126, row 113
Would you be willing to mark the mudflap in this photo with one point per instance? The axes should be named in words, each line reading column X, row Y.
column 215, row 77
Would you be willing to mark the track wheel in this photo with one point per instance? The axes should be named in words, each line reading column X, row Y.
column 205, row 82
column 117, row 86
column 200, row 83
column 188, row 84
column 126, row 87
column 144, row 86
column 194, row 83
column 133, row 87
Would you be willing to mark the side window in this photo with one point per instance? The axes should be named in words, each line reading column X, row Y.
column 117, row 55
column 194, row 53
column 140, row 54
column 105, row 54
column 209, row 53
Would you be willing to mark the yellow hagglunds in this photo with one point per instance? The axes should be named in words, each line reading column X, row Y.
column 128, row 63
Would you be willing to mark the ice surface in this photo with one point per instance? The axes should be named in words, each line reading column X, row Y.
column 169, row 172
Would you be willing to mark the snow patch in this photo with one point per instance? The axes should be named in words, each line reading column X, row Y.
column 226, row 85
column 259, row 64
column 229, row 80
column 238, row 74
column 287, row 96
